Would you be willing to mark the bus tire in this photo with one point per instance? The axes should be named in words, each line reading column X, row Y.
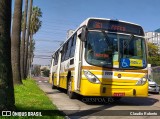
column 70, row 93
column 53, row 86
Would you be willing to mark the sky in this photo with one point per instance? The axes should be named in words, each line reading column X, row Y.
column 61, row 15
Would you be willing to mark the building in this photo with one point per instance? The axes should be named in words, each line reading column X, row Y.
column 69, row 33
column 153, row 37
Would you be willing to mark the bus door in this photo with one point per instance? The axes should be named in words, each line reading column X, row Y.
column 51, row 71
column 78, row 63
column 58, row 68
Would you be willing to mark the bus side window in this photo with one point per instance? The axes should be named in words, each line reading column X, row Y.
column 54, row 62
column 56, row 58
column 63, row 52
column 73, row 45
column 68, row 48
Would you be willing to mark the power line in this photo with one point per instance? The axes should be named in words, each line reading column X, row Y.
column 43, row 52
column 53, row 30
column 51, row 35
column 41, row 58
column 48, row 40
column 62, row 21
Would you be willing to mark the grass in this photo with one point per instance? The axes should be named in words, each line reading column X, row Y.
column 30, row 97
column 34, row 98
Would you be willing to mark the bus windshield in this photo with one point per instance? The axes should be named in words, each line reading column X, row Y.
column 115, row 50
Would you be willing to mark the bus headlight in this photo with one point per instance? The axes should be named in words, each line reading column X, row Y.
column 142, row 81
column 91, row 77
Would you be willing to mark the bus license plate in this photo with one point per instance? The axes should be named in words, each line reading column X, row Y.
column 119, row 94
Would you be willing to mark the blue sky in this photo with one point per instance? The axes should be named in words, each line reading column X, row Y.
column 62, row 15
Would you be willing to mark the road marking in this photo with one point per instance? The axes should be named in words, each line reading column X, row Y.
column 43, row 81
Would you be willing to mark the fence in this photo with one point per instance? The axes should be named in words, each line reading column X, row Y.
column 156, row 74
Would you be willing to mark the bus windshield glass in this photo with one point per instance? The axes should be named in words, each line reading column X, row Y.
column 115, row 50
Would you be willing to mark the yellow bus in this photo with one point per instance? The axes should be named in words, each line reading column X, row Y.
column 102, row 57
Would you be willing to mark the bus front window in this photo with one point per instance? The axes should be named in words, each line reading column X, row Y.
column 99, row 49
column 132, row 52
column 102, row 50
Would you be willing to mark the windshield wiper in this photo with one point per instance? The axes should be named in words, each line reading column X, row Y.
column 107, row 38
column 128, row 41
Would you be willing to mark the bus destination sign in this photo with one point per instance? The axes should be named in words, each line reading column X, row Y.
column 115, row 26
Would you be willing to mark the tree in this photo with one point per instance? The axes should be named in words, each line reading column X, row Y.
column 35, row 25
column 15, row 42
column 6, row 81
column 27, row 40
column 31, row 55
column 153, row 55
column 36, row 70
column 24, row 21
column 46, row 72
column 32, row 47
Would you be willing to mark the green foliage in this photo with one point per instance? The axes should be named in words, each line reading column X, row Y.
column 35, row 20
column 153, row 55
column 46, row 72
column 35, row 23
column 152, row 49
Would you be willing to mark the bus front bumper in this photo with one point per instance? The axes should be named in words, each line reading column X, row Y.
column 91, row 89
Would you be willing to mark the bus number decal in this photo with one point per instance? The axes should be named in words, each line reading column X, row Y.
column 108, row 73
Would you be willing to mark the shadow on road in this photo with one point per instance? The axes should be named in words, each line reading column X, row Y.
column 89, row 112
column 137, row 101
column 104, row 106
column 126, row 101
column 55, row 92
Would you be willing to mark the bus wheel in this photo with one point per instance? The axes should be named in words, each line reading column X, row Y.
column 70, row 93
column 53, row 86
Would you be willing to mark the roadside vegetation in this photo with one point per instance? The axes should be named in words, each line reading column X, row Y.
column 30, row 97
column 153, row 55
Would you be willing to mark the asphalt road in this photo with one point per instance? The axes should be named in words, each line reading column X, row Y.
column 100, row 108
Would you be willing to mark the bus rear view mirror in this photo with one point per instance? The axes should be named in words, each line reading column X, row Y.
column 53, row 56
column 83, row 33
